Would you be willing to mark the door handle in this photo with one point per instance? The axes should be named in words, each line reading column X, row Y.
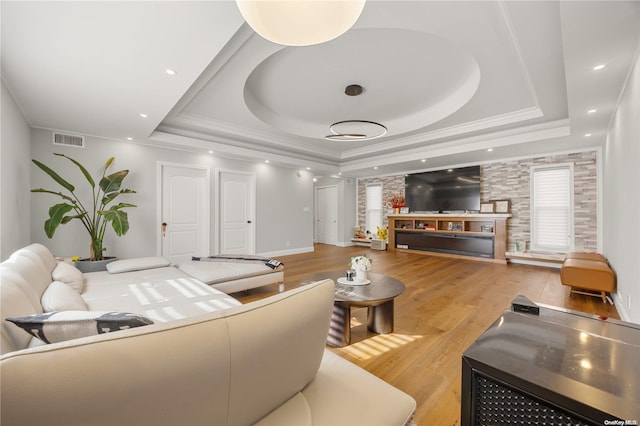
column 164, row 229
column 248, row 221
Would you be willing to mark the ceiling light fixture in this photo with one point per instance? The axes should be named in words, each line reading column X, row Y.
column 169, row 71
column 599, row 67
column 591, row 111
column 300, row 23
column 587, row 134
column 129, row 138
column 143, row 115
column 356, row 130
column 490, row 149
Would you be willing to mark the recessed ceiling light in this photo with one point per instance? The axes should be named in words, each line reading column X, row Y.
column 490, row 149
column 599, row 67
column 266, row 161
column 210, row 152
column 587, row 134
column 169, row 71
column 450, row 170
column 375, row 168
column 424, row 160
column 308, row 168
column 315, row 179
column 339, row 173
column 591, row 111
column 129, row 138
column 143, row 115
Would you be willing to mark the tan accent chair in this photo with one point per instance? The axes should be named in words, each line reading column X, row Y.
column 589, row 274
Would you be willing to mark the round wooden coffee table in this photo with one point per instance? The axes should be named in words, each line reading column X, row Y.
column 377, row 297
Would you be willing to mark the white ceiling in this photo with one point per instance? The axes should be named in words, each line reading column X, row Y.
column 448, row 79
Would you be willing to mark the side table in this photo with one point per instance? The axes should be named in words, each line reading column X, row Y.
column 377, row 296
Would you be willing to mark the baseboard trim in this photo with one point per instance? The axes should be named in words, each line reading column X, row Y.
column 287, row 252
column 619, row 304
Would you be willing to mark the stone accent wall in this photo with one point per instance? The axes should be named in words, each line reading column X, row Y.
column 509, row 180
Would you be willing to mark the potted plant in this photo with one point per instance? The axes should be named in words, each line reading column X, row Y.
column 95, row 213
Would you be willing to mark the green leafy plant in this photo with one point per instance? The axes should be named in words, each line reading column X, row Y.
column 94, row 214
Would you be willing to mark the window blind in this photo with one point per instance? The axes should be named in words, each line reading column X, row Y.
column 374, row 207
column 552, row 208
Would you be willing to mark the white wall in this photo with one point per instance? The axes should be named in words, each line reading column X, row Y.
column 622, row 198
column 15, row 163
column 281, row 197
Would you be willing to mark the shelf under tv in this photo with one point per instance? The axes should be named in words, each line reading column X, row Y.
column 476, row 236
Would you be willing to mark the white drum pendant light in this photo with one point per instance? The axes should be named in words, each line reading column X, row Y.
column 300, row 22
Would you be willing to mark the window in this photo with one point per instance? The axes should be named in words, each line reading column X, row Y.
column 552, row 208
column 374, row 207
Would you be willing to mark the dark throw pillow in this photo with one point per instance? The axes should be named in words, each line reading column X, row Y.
column 52, row 327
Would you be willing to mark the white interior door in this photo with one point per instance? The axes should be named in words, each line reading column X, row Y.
column 237, row 194
column 185, row 219
column 327, row 215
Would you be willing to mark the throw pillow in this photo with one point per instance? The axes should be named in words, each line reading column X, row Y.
column 69, row 275
column 61, row 297
column 137, row 264
column 53, row 327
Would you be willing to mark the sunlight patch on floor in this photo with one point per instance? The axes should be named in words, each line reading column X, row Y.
column 378, row 345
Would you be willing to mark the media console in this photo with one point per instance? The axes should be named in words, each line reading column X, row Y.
column 481, row 236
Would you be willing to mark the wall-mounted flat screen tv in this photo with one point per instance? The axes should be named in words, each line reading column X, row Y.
column 442, row 191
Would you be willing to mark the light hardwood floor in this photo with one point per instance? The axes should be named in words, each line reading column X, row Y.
column 447, row 304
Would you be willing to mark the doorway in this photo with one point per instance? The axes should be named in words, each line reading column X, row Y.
column 236, row 212
column 327, row 215
column 184, row 222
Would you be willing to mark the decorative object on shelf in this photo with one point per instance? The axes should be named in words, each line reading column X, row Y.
column 361, row 264
column 404, row 210
column 502, row 206
column 521, row 246
column 487, row 207
column 486, row 228
column 93, row 213
column 397, row 202
column 300, row 23
column 383, row 233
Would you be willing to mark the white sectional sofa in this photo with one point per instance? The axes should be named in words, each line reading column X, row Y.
column 206, row 359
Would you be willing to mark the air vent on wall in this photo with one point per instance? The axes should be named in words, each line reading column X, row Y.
column 68, row 140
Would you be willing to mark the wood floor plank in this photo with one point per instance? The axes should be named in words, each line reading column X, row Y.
column 447, row 304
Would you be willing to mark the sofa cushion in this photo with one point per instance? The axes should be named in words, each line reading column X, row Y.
column 61, row 297
column 137, row 264
column 70, row 275
column 53, row 327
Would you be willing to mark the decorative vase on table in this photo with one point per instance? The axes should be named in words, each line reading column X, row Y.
column 360, row 264
column 361, row 275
